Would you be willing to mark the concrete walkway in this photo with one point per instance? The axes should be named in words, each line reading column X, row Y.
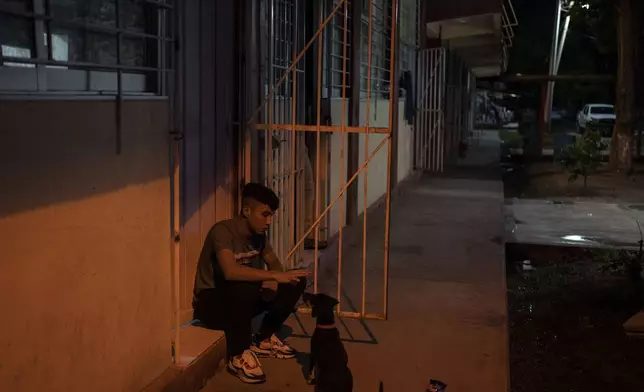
column 447, row 303
column 573, row 223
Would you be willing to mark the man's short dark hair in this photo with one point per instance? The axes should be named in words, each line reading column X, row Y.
column 261, row 194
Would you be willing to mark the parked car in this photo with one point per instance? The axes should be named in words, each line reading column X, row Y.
column 598, row 116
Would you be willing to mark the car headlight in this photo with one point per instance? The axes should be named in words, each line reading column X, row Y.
column 592, row 120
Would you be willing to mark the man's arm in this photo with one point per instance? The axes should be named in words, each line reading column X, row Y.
column 222, row 241
column 271, row 259
column 234, row 271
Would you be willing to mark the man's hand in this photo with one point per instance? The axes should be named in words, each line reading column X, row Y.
column 292, row 276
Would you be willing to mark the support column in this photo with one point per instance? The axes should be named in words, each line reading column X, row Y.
column 353, row 145
column 395, row 68
column 552, row 70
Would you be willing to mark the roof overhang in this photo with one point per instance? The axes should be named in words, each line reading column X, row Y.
column 466, row 27
column 481, row 39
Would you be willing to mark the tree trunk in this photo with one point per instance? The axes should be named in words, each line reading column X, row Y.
column 622, row 142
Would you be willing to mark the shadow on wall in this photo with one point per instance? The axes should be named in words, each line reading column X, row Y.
column 60, row 151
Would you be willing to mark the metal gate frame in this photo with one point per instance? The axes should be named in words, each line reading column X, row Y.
column 429, row 132
column 444, row 108
column 295, row 132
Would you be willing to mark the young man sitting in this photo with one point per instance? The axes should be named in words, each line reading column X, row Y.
column 230, row 279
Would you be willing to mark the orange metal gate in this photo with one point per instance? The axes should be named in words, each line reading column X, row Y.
column 282, row 124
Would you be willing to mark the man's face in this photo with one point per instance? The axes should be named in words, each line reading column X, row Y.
column 259, row 217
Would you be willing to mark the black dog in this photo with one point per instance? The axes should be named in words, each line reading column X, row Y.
column 328, row 369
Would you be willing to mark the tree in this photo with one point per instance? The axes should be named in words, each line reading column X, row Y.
column 590, row 49
column 597, row 15
column 622, row 143
column 582, row 158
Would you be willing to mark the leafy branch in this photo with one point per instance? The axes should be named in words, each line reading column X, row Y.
column 582, row 158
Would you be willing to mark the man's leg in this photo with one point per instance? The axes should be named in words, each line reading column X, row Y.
column 241, row 302
column 278, row 310
column 208, row 308
column 231, row 307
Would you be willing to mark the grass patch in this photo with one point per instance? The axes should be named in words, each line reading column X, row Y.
column 511, row 138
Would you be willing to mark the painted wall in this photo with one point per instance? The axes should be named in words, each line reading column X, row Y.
column 376, row 173
column 377, row 169
column 337, row 167
column 85, row 272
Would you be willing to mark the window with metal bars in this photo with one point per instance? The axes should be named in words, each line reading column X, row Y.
column 334, row 50
column 380, row 47
column 82, row 46
column 408, row 34
column 283, row 27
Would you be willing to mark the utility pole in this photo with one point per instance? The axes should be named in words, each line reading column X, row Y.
column 547, row 107
column 564, row 34
column 556, row 51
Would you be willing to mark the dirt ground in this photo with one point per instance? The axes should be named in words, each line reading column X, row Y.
column 566, row 329
column 566, row 316
column 548, row 180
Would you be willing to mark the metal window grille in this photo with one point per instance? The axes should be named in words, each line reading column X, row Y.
column 284, row 151
column 380, row 49
column 508, row 22
column 332, row 76
column 408, row 34
column 86, row 46
column 281, row 15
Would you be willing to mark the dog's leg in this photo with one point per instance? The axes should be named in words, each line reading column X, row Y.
column 310, row 379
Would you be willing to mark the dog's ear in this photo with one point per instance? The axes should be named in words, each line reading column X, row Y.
column 327, row 300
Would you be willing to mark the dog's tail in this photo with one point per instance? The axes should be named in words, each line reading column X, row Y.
column 381, row 388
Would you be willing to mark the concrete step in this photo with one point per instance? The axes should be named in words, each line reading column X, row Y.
column 200, row 353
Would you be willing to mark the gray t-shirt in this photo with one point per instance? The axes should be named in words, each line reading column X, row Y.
column 231, row 234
